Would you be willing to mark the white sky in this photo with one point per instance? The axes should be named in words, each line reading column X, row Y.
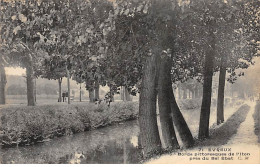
column 15, row 71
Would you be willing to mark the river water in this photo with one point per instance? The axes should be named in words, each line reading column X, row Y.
column 113, row 144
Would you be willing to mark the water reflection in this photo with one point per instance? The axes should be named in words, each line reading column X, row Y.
column 115, row 144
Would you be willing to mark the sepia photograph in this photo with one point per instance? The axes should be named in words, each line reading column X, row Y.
column 129, row 82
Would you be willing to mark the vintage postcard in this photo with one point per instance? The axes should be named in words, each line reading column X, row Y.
column 129, row 81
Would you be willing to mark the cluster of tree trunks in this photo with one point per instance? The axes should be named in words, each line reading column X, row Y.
column 193, row 93
column 156, row 80
column 164, row 86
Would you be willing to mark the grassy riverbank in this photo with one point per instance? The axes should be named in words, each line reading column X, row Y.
column 22, row 125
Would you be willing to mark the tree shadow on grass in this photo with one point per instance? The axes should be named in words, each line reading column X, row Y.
column 223, row 134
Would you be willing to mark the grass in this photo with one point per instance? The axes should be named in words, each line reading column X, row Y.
column 256, row 119
column 22, row 125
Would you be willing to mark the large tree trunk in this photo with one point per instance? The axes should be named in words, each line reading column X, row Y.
column 30, row 82
column 68, row 84
column 2, row 84
column 96, row 90
column 91, row 95
column 149, row 133
column 59, row 82
column 221, row 92
column 179, row 122
column 207, row 87
column 164, row 85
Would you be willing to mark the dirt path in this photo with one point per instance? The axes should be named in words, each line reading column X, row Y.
column 242, row 148
column 245, row 133
column 246, row 140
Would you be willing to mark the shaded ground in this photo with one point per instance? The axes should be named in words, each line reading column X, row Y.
column 192, row 117
column 222, row 134
column 232, row 142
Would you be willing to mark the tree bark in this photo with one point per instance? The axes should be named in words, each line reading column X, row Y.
column 221, row 92
column 122, row 93
column 2, row 85
column 59, row 82
column 164, row 85
column 68, row 84
column 112, row 99
column 80, row 93
column 149, row 133
column 179, row 122
column 91, row 95
column 207, row 87
column 30, row 82
column 96, row 90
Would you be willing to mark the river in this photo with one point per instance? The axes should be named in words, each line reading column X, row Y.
column 114, row 144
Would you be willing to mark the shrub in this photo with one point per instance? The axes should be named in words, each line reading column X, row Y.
column 188, row 104
column 28, row 125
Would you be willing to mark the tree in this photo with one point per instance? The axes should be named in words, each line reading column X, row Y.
column 151, row 38
column 236, row 47
column 20, row 33
column 3, row 80
column 164, row 87
column 125, row 95
column 2, row 84
column 51, row 70
column 215, row 20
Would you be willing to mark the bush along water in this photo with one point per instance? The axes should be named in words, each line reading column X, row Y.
column 29, row 125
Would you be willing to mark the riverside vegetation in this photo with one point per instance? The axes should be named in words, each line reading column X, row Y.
column 29, row 125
